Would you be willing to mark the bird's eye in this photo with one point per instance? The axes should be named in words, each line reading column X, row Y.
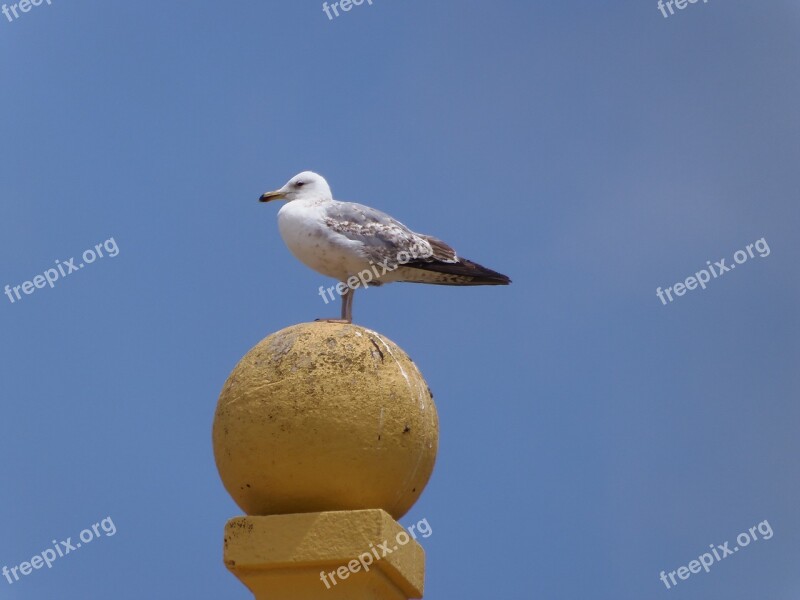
column 299, row 183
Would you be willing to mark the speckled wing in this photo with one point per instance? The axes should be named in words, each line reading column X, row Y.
column 421, row 258
column 381, row 236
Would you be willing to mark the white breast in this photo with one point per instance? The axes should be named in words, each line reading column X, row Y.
column 302, row 228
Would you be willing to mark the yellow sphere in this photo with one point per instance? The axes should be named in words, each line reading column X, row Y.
column 325, row 416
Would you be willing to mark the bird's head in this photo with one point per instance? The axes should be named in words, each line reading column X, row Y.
column 304, row 186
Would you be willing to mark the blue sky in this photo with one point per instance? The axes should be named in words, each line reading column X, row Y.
column 591, row 436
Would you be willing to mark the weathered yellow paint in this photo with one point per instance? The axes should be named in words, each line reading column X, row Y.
column 282, row 557
column 320, row 431
column 325, row 417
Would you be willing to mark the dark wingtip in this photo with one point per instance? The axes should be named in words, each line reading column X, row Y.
column 498, row 279
column 477, row 274
column 485, row 275
column 489, row 277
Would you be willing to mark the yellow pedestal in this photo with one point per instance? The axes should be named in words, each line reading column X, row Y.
column 325, row 417
column 352, row 555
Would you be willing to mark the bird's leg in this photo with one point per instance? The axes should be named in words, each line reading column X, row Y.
column 347, row 307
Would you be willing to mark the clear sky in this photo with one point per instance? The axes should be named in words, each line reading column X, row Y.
column 591, row 435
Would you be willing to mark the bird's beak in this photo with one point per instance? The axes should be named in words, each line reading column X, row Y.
column 276, row 195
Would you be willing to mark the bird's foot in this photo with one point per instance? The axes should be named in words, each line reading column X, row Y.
column 342, row 321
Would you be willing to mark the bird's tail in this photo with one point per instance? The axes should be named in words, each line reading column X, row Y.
column 463, row 272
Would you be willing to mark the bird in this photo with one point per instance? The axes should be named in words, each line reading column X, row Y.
column 362, row 246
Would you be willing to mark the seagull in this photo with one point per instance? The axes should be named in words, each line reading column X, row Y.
column 362, row 246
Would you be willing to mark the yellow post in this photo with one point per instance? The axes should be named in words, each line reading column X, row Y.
column 324, row 435
column 326, row 555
